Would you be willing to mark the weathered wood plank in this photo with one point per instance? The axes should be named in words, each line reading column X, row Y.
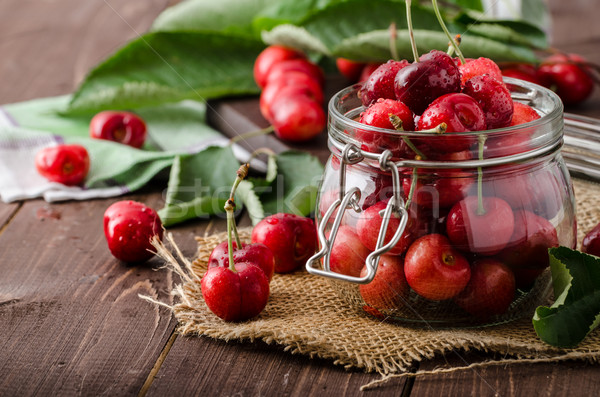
column 6, row 212
column 70, row 315
column 541, row 379
column 49, row 46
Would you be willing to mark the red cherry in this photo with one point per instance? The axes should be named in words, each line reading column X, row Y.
column 129, row 227
column 291, row 238
column 486, row 233
column 269, row 57
column 348, row 254
column 461, row 113
column 291, row 84
column 569, row 77
column 523, row 114
column 368, row 226
column 118, row 126
column 507, row 144
column 297, row 117
column 494, row 99
column 380, row 83
column 235, row 296
column 523, row 71
column 490, row 290
column 302, row 65
column 529, row 243
column 378, row 115
column 591, row 242
column 367, row 70
column 439, row 188
column 512, row 186
column 434, row 269
column 388, row 290
column 419, row 83
column 350, row 69
column 66, row 164
column 257, row 254
column 478, row 67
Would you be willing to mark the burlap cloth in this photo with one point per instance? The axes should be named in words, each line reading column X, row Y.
column 305, row 315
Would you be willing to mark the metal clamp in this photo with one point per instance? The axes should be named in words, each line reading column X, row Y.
column 395, row 207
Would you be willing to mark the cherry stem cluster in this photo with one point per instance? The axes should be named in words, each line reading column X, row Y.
column 436, row 9
column 242, row 172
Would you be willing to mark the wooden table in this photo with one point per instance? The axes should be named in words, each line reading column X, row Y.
column 71, row 321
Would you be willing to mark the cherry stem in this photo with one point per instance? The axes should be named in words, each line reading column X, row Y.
column 393, row 35
column 397, row 123
column 480, row 209
column 259, row 151
column 413, row 185
column 251, row 134
column 242, row 172
column 411, row 33
column 229, row 208
column 436, row 9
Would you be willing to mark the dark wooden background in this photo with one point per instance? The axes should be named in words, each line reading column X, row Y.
column 71, row 322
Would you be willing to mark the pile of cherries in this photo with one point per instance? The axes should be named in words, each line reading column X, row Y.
column 292, row 93
column 472, row 236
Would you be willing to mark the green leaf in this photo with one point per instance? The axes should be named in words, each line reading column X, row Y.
column 511, row 31
column 536, row 12
column 167, row 67
column 576, row 310
column 295, row 188
column 195, row 190
column 468, row 4
column 245, row 192
column 295, row 37
column 375, row 45
column 232, row 16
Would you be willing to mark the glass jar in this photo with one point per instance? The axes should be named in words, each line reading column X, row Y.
column 412, row 230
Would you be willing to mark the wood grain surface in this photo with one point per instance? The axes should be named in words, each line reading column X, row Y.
column 71, row 320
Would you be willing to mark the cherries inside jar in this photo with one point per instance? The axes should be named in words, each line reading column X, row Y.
column 446, row 239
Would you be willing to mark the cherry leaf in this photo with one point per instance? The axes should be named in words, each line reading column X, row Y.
column 576, row 310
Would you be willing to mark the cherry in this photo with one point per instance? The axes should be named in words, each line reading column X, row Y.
column 297, row 117
column 298, row 65
column 119, row 126
column 66, row 164
column 507, row 144
column 483, row 228
column 380, row 114
column 367, row 70
column 291, row 238
column 348, row 254
column 434, row 269
column 380, row 83
column 350, row 69
column 523, row 71
column 494, row 99
column 591, row 242
column 529, row 243
column 292, row 84
column 419, row 83
column 129, row 227
column 478, row 67
column 241, row 290
column 490, row 290
column 523, row 114
column 439, row 188
column 568, row 76
column 388, row 290
column 369, row 223
column 235, row 293
column 460, row 113
column 258, row 254
column 269, row 57
column 512, row 186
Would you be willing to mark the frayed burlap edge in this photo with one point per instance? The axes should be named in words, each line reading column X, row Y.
column 305, row 316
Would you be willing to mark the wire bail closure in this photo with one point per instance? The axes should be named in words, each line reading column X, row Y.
column 349, row 200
